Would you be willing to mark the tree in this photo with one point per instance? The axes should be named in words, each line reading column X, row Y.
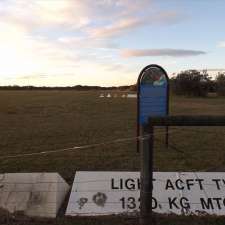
column 191, row 83
column 220, row 84
column 133, row 87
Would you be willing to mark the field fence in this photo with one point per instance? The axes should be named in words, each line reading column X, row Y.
column 125, row 140
column 75, row 148
column 115, row 141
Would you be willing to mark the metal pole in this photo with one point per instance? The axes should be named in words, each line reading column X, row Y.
column 167, row 136
column 146, row 147
column 146, row 176
column 187, row 120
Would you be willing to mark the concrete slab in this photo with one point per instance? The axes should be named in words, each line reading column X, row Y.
column 35, row 194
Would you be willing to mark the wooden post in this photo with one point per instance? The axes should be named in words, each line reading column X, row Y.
column 146, row 149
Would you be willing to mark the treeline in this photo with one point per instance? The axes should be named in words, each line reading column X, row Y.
column 77, row 87
column 197, row 83
column 188, row 83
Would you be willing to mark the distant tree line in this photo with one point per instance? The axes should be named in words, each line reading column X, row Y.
column 197, row 83
column 188, row 83
column 220, row 84
column 77, row 88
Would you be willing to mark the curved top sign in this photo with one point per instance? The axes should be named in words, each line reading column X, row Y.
column 153, row 93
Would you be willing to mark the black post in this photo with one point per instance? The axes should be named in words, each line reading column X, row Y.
column 167, row 137
column 146, row 147
column 201, row 120
column 147, row 176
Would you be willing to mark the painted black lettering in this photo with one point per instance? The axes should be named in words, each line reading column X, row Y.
column 223, row 181
column 169, row 184
column 113, row 184
column 200, row 183
column 131, row 203
column 129, row 184
column 154, row 203
column 179, row 185
column 121, row 184
column 218, row 202
column 139, row 183
column 206, row 204
column 190, row 182
column 217, row 183
column 172, row 202
column 184, row 202
column 123, row 202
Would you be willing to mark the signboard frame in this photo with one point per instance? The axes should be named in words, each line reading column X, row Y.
column 141, row 75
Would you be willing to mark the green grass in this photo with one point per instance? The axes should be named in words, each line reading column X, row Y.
column 35, row 121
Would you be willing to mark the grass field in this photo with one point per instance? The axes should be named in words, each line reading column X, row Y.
column 35, row 121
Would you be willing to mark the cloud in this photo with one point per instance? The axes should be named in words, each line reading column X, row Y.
column 45, row 13
column 59, row 37
column 74, row 23
column 116, row 28
column 35, row 76
column 160, row 52
column 22, row 53
column 221, row 44
column 68, row 14
column 100, row 18
column 87, row 42
column 126, row 24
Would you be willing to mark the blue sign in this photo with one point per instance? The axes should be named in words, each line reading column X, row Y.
column 152, row 93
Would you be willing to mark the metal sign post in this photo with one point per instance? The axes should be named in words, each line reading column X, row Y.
column 153, row 100
column 146, row 176
column 153, row 97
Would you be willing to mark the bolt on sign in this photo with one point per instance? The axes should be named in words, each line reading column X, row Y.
column 107, row 193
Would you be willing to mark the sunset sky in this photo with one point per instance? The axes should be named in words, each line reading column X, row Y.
column 106, row 42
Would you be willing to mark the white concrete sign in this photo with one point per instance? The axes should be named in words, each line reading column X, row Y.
column 35, row 194
column 105, row 193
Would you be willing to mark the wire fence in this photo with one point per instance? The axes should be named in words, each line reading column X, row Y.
column 119, row 140
column 82, row 147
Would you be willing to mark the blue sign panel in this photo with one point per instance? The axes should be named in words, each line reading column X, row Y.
column 153, row 102
column 153, row 93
